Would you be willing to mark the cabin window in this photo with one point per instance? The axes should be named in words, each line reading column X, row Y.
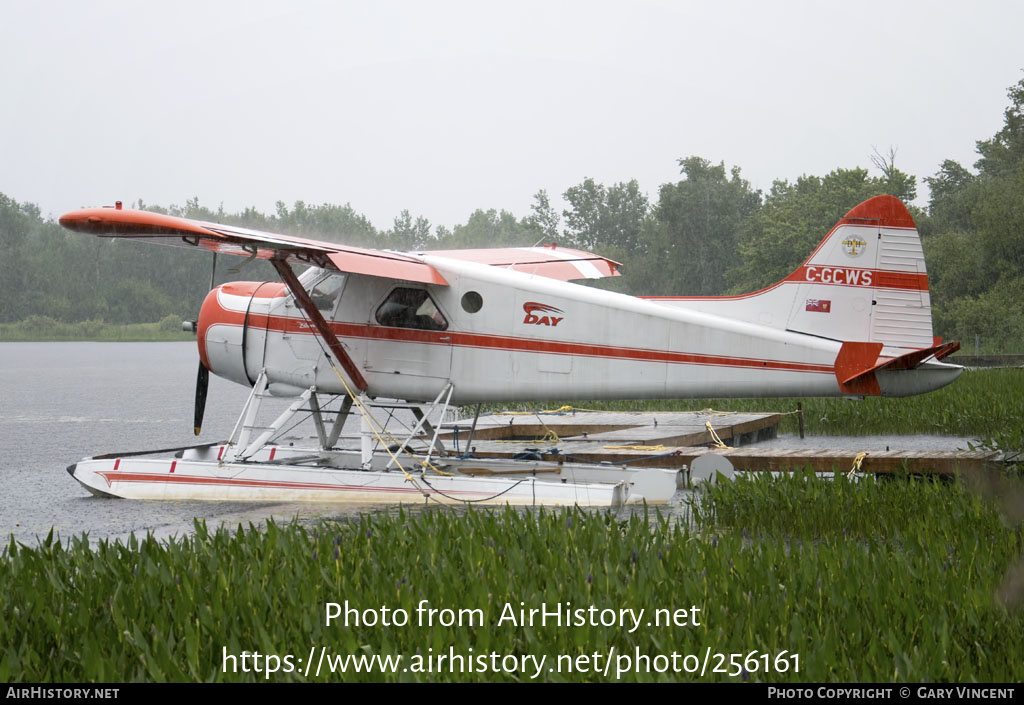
column 472, row 302
column 411, row 308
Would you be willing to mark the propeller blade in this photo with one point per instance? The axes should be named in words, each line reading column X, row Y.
column 202, row 383
column 203, row 376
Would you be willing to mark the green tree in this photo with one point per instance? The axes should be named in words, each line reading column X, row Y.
column 697, row 223
column 489, row 228
column 408, row 234
column 17, row 221
column 600, row 217
column 976, row 254
column 896, row 183
column 543, row 219
column 1004, row 153
column 796, row 216
column 951, row 200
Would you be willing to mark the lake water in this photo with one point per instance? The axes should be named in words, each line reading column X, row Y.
column 61, row 402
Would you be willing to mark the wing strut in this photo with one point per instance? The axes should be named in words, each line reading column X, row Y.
column 292, row 282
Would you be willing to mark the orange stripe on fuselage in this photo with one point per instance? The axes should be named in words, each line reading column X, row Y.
column 284, row 324
column 831, row 275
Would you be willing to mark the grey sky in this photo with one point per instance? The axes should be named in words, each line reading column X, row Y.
column 445, row 107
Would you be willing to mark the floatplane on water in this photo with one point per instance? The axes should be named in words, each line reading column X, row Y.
column 360, row 328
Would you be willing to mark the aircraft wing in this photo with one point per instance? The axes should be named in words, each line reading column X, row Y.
column 547, row 261
column 229, row 239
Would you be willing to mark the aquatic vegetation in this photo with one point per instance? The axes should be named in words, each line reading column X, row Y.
column 905, row 580
column 864, row 581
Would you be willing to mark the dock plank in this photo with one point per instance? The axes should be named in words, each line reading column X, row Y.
column 586, row 437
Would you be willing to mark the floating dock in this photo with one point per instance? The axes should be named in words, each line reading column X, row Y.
column 679, row 428
column 676, row 439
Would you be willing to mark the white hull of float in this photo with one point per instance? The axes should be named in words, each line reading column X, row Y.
column 192, row 478
column 473, row 467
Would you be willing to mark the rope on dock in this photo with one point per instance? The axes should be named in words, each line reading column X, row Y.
column 714, row 437
column 856, row 464
column 636, row 447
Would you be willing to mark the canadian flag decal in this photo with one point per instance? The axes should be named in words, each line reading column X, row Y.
column 536, row 314
column 819, row 305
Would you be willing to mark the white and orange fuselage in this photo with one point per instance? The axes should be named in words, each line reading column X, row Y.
column 854, row 319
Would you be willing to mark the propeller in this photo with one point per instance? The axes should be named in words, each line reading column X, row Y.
column 202, row 383
column 203, row 375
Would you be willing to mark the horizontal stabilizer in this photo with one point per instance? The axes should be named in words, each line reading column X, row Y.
column 857, row 363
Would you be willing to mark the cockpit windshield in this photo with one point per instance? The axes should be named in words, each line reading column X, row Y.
column 323, row 286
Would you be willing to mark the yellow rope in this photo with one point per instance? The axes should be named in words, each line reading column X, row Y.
column 549, row 437
column 856, row 464
column 714, row 437
column 559, row 410
column 636, row 448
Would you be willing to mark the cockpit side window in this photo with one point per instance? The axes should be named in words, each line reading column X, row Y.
column 411, row 308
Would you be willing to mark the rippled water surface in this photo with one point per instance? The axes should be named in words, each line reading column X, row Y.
column 60, row 402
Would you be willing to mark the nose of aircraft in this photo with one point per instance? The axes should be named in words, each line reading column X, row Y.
column 208, row 316
column 227, row 313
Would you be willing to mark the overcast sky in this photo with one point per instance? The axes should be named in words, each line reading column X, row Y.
column 444, row 107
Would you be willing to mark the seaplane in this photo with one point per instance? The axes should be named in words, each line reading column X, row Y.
column 363, row 332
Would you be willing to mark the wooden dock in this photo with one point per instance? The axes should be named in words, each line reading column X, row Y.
column 675, row 440
column 619, row 428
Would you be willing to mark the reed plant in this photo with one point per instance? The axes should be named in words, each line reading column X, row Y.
column 863, row 581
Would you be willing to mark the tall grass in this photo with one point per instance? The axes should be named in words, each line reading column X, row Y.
column 804, row 505
column 866, row 582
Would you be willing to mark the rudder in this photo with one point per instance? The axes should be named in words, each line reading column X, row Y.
column 868, row 274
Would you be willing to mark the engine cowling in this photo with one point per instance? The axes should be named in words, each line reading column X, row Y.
column 232, row 327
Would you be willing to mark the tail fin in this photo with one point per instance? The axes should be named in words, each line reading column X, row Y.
column 869, row 274
column 866, row 281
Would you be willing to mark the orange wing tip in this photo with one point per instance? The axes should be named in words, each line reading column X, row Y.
column 114, row 221
column 886, row 211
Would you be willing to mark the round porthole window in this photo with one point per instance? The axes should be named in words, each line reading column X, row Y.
column 472, row 302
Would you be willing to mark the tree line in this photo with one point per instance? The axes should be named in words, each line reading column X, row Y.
column 709, row 233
